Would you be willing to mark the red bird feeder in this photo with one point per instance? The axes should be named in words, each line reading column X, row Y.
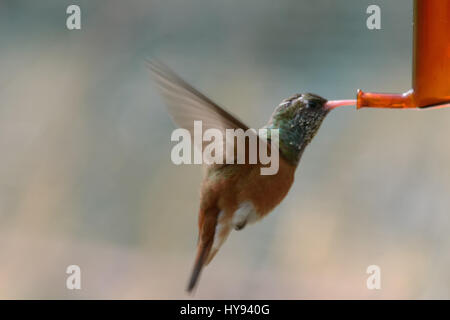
column 431, row 62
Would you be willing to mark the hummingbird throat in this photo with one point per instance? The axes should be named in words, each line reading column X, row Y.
column 296, row 132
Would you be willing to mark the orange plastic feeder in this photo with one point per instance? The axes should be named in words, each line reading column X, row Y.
column 431, row 62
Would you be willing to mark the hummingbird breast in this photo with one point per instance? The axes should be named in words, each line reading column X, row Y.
column 242, row 196
column 231, row 186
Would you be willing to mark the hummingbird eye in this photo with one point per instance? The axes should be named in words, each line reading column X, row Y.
column 311, row 104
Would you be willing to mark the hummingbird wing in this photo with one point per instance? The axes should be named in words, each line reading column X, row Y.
column 186, row 104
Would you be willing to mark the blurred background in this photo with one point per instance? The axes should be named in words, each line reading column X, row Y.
column 86, row 176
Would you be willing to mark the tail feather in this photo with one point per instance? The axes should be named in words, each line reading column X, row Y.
column 202, row 255
column 207, row 229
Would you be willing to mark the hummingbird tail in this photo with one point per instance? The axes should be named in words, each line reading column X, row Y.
column 202, row 254
column 207, row 229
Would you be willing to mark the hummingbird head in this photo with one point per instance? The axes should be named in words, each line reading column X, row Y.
column 298, row 119
column 302, row 109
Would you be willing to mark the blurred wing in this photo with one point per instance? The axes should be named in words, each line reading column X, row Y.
column 186, row 104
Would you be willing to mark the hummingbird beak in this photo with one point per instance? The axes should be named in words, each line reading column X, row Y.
column 330, row 105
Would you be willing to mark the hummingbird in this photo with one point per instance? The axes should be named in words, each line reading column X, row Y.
column 235, row 195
